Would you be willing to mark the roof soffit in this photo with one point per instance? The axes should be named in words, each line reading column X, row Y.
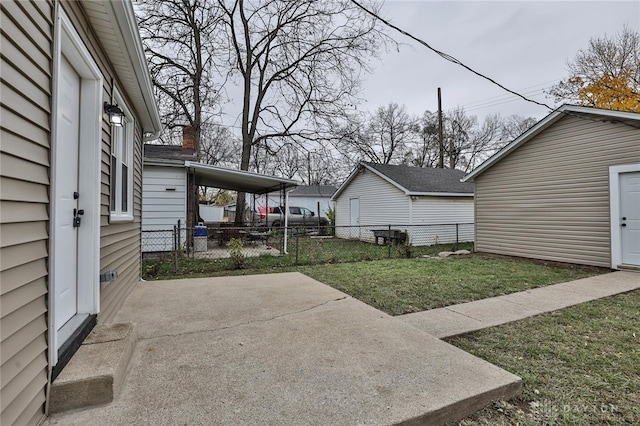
column 115, row 26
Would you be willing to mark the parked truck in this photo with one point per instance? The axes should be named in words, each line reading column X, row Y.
column 298, row 216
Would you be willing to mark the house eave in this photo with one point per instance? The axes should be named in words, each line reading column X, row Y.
column 117, row 30
column 440, row 194
column 164, row 162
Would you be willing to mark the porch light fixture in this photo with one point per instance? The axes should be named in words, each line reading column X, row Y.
column 116, row 115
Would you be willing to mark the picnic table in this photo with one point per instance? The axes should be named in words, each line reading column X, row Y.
column 395, row 236
column 255, row 236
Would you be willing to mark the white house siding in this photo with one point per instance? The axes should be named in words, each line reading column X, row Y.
column 25, row 114
column 312, row 203
column 381, row 204
column 162, row 208
column 549, row 199
column 440, row 220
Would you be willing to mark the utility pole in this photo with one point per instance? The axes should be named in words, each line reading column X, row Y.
column 452, row 157
column 440, row 133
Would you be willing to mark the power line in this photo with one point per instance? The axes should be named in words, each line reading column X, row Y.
column 503, row 99
column 452, row 59
column 535, row 87
column 448, row 57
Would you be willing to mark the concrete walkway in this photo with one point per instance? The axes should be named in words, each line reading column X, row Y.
column 466, row 317
column 284, row 349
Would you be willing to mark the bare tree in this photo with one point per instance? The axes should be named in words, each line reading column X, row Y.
column 424, row 149
column 179, row 37
column 218, row 146
column 515, row 125
column 389, row 133
column 298, row 63
column 467, row 142
column 325, row 166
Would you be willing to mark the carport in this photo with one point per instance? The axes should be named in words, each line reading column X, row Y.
column 236, row 180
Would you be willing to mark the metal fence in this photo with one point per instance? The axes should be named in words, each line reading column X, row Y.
column 226, row 246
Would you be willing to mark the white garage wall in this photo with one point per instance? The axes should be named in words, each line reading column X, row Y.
column 164, row 202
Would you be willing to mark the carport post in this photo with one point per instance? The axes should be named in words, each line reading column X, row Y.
column 286, row 219
column 389, row 240
column 176, row 247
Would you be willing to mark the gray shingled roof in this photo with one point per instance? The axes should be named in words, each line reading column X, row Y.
column 165, row 152
column 314, row 191
column 417, row 179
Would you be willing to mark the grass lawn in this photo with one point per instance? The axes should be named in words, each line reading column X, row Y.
column 399, row 286
column 301, row 251
column 410, row 285
column 579, row 365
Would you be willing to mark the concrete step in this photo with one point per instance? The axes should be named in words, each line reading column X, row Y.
column 97, row 371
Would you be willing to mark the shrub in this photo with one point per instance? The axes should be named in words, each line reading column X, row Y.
column 236, row 253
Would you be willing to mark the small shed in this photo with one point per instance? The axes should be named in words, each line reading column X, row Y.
column 567, row 190
column 432, row 205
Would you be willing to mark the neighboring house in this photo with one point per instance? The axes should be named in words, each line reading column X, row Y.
column 308, row 196
column 414, row 199
column 71, row 184
column 313, row 196
column 567, row 190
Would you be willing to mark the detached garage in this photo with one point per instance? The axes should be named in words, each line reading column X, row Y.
column 431, row 206
column 567, row 190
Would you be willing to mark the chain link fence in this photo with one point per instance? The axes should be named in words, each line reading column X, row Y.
column 225, row 246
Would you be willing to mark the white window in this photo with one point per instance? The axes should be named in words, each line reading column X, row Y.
column 122, row 165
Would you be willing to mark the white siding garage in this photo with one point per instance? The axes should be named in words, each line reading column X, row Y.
column 164, row 203
column 426, row 203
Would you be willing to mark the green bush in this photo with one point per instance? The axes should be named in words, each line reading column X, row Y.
column 236, row 253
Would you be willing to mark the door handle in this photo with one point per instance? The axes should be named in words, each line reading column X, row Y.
column 77, row 220
column 624, row 224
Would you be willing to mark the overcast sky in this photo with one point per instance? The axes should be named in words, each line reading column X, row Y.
column 523, row 45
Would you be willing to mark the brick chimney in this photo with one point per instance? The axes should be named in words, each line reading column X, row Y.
column 188, row 140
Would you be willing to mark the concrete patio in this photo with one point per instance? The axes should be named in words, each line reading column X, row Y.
column 285, row 349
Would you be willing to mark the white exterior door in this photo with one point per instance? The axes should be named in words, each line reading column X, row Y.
column 354, row 218
column 76, row 153
column 67, row 196
column 630, row 217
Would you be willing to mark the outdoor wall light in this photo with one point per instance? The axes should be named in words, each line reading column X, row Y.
column 116, row 115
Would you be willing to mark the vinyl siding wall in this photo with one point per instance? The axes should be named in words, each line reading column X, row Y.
column 161, row 208
column 549, row 199
column 381, row 204
column 119, row 241
column 25, row 119
column 25, row 84
column 438, row 217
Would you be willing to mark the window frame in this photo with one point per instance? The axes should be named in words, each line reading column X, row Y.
column 122, row 143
